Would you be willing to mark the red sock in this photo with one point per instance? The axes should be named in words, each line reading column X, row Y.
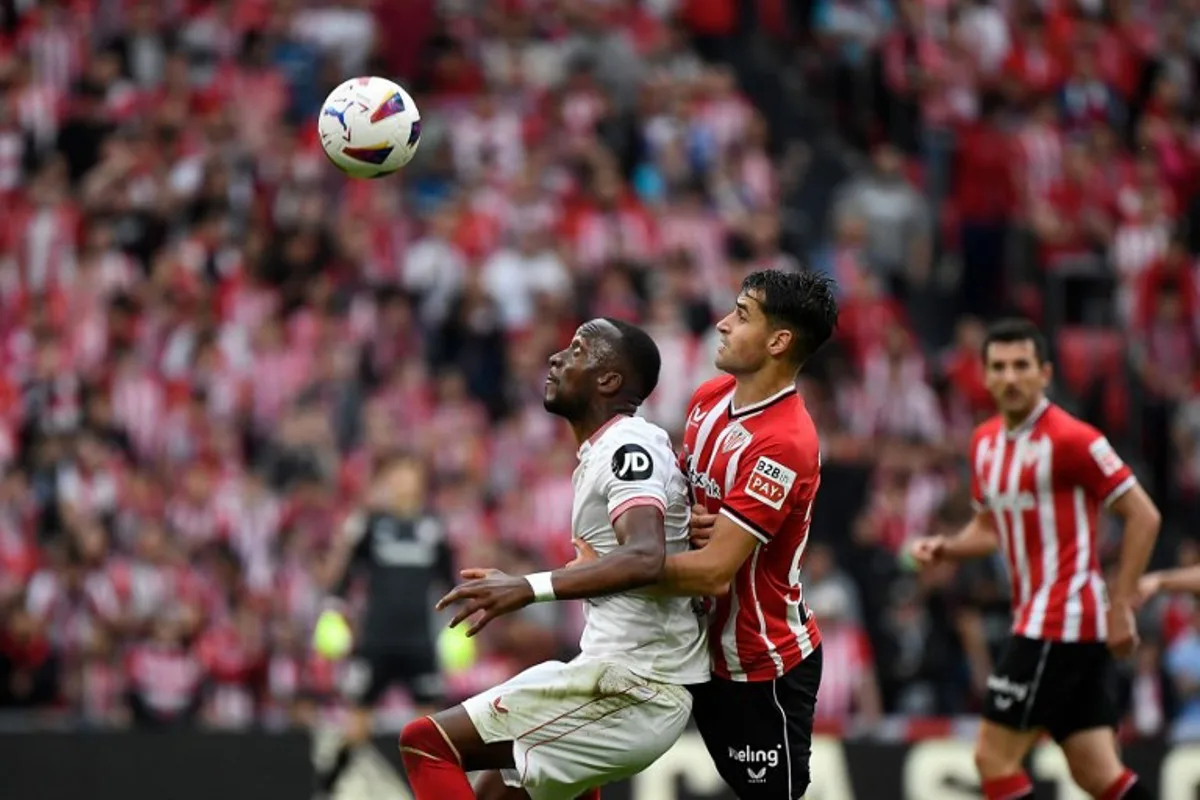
column 1010, row 787
column 590, row 794
column 431, row 763
column 1121, row 786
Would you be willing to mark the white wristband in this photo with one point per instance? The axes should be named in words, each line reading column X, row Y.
column 543, row 587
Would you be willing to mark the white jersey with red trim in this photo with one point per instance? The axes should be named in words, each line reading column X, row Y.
column 630, row 462
column 1044, row 482
column 760, row 467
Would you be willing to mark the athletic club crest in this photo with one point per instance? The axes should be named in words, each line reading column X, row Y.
column 736, row 437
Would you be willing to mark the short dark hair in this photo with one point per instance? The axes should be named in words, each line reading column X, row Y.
column 803, row 302
column 1017, row 329
column 639, row 356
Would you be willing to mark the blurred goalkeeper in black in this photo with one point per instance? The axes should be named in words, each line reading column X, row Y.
column 404, row 555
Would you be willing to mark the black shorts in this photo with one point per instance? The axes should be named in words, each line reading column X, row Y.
column 371, row 670
column 760, row 734
column 1060, row 687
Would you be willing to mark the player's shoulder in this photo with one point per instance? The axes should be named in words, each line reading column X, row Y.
column 990, row 427
column 786, row 431
column 711, row 390
column 1060, row 423
column 633, row 448
column 1070, row 433
column 633, row 432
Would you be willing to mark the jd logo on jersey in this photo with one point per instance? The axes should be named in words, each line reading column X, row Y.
column 632, row 463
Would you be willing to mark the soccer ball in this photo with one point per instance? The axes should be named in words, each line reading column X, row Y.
column 369, row 127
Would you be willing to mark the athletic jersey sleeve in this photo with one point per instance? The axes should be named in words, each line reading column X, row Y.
column 978, row 501
column 636, row 468
column 771, row 477
column 1097, row 467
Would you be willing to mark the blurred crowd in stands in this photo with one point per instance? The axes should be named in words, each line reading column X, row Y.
column 207, row 335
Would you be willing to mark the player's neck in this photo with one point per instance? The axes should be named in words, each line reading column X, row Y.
column 595, row 420
column 1017, row 419
column 758, row 386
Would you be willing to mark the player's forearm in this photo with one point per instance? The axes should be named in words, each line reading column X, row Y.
column 624, row 569
column 693, row 574
column 974, row 541
column 1184, row 579
column 1137, row 545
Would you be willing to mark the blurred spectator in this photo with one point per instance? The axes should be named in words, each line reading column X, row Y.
column 849, row 694
column 897, row 219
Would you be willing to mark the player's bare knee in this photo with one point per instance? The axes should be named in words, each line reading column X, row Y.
column 1093, row 760
column 1093, row 771
column 992, row 762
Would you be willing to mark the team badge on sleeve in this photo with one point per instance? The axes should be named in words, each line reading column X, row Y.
column 631, row 462
column 1105, row 457
column 770, row 482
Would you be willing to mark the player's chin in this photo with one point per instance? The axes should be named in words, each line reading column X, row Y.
column 724, row 361
column 551, row 401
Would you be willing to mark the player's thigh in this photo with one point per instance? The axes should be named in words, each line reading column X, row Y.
column 580, row 725
column 1082, row 690
column 759, row 734
column 1000, row 750
column 1094, row 759
column 1018, row 695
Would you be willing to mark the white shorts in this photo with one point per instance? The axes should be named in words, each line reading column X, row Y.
column 580, row 725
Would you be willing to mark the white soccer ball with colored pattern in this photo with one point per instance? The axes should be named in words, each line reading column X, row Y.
column 369, row 127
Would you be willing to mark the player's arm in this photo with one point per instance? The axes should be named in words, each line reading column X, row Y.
column 636, row 561
column 634, row 487
column 635, row 491
column 977, row 539
column 1103, row 475
column 1170, row 581
column 708, row 571
column 1141, row 524
column 765, row 493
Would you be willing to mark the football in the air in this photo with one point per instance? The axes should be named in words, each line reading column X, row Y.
column 369, row 127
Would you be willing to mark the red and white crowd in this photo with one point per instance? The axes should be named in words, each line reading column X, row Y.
column 207, row 334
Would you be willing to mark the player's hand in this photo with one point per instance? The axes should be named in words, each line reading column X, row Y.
column 928, row 550
column 701, row 526
column 584, row 554
column 488, row 593
column 1122, row 629
column 1150, row 585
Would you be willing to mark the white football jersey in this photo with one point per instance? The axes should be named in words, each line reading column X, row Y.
column 630, row 462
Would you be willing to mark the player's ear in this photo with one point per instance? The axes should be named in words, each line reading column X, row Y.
column 1047, row 372
column 609, row 383
column 781, row 339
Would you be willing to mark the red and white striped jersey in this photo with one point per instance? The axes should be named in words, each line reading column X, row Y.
column 1043, row 483
column 758, row 466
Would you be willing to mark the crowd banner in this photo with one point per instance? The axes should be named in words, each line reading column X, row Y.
column 269, row 766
